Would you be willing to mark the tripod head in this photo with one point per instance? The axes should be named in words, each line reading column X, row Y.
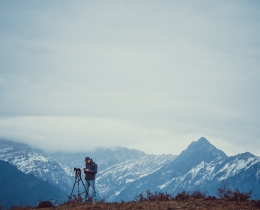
column 77, row 172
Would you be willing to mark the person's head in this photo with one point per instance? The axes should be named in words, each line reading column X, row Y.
column 87, row 160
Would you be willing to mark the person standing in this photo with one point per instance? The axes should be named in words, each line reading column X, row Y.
column 90, row 173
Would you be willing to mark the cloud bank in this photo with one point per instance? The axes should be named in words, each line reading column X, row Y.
column 147, row 75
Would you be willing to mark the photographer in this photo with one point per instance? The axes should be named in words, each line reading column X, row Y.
column 90, row 172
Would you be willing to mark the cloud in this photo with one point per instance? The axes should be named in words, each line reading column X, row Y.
column 85, row 134
column 78, row 133
column 163, row 72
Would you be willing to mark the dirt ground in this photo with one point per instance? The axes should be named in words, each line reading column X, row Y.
column 157, row 205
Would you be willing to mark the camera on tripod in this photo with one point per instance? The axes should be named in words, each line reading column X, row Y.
column 77, row 172
column 77, row 182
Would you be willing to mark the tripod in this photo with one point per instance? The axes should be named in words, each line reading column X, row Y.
column 77, row 181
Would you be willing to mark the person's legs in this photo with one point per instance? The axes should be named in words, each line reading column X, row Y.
column 87, row 189
column 92, row 184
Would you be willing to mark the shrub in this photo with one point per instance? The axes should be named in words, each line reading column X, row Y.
column 161, row 196
column 102, row 200
column 197, row 195
column 156, row 196
column 183, row 195
column 234, row 195
column 140, row 198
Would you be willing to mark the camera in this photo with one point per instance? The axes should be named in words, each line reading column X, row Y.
column 77, row 172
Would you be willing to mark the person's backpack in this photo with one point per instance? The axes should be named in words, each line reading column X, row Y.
column 94, row 166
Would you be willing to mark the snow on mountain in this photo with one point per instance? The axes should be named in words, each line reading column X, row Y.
column 236, row 164
column 116, row 178
column 116, row 167
column 20, row 189
column 36, row 163
column 200, row 167
column 207, row 177
column 124, row 173
column 58, row 167
column 102, row 156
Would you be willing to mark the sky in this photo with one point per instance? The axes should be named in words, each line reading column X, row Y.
column 148, row 75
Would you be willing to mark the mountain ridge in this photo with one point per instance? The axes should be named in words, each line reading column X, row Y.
column 124, row 173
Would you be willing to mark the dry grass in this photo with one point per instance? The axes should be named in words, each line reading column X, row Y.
column 229, row 200
column 198, row 204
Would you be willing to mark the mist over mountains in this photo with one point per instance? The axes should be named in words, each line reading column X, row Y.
column 124, row 173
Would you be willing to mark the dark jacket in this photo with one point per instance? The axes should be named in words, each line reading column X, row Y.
column 92, row 170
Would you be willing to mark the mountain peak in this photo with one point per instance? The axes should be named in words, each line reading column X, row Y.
column 203, row 140
column 198, row 151
column 245, row 155
column 202, row 145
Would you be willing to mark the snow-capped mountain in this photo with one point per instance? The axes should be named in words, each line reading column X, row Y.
column 200, row 167
column 207, row 176
column 103, row 157
column 124, row 173
column 117, row 178
column 18, row 188
column 58, row 167
column 34, row 162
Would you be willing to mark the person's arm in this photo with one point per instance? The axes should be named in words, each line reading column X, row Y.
column 85, row 170
column 93, row 171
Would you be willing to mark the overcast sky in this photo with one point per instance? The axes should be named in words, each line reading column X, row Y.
column 149, row 75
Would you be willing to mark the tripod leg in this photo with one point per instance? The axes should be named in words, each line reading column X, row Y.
column 83, row 184
column 79, row 196
column 73, row 187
